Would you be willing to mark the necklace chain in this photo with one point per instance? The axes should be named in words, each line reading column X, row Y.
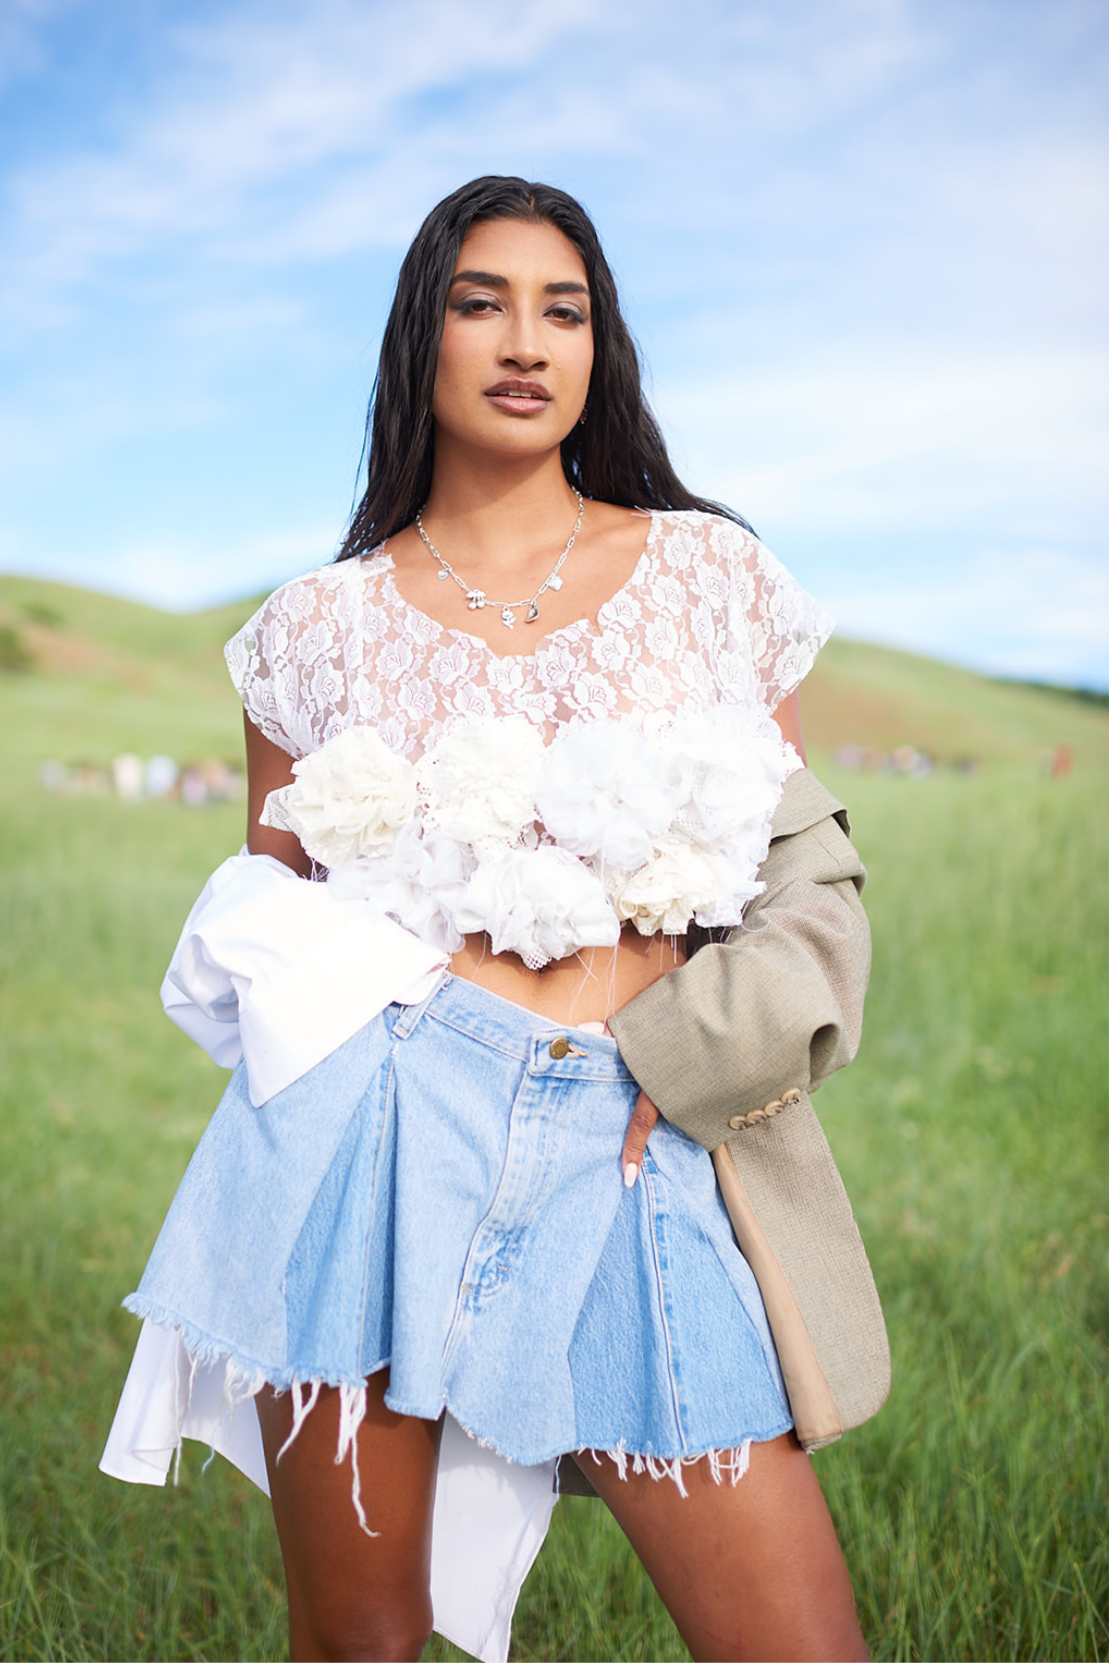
column 477, row 598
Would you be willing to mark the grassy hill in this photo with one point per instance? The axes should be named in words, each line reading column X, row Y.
column 89, row 675
column 85, row 675
column 874, row 696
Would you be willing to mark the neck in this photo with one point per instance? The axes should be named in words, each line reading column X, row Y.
column 500, row 516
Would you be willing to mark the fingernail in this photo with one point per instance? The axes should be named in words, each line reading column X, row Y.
column 631, row 1173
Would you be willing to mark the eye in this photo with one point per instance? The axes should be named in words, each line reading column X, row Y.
column 566, row 313
column 473, row 306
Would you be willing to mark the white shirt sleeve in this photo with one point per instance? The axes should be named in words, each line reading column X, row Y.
column 280, row 972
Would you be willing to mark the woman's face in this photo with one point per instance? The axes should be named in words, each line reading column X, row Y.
column 517, row 346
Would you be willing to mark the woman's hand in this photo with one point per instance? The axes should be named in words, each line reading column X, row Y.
column 640, row 1127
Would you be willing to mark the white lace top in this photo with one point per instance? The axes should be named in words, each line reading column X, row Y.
column 627, row 770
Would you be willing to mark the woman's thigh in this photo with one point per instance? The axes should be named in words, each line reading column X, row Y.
column 352, row 1595
column 746, row 1570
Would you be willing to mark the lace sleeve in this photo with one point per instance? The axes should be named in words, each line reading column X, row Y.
column 252, row 661
column 296, row 661
column 291, row 663
column 786, row 627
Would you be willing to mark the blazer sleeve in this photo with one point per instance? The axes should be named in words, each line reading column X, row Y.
column 775, row 1008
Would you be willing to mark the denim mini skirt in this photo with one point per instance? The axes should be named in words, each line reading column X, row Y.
column 442, row 1196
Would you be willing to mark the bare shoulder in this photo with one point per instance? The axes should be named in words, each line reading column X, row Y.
column 621, row 529
column 615, row 537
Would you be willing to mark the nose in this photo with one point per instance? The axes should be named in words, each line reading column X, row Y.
column 522, row 347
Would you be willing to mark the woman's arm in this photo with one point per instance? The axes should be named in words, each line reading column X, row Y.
column 788, row 718
column 267, row 768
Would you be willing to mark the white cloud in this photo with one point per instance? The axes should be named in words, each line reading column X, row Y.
column 23, row 51
column 923, row 436
column 308, row 129
column 803, row 64
column 254, row 104
column 1039, row 613
column 179, row 577
column 943, row 502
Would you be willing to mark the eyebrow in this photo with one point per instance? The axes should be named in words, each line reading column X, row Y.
column 494, row 280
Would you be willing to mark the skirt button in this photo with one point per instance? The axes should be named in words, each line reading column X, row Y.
column 560, row 1047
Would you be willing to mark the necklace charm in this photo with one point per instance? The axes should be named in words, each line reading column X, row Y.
column 477, row 598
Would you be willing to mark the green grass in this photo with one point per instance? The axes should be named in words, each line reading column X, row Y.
column 971, row 1134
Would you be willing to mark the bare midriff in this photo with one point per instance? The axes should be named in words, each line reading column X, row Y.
column 586, row 987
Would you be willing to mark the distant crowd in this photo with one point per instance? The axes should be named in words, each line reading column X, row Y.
column 157, row 778
column 902, row 759
column 1056, row 761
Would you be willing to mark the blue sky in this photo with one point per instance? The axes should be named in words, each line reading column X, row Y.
column 862, row 243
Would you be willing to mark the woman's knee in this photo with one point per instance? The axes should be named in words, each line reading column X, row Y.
column 389, row 1627
column 354, row 1593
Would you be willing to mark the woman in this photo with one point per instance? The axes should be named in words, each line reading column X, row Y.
column 568, row 689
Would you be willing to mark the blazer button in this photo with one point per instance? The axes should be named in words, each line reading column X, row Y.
column 737, row 1122
column 559, row 1047
column 793, row 1095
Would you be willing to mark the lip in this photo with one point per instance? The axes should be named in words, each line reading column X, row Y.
column 517, row 397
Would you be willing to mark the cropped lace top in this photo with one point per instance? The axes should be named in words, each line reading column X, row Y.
column 626, row 771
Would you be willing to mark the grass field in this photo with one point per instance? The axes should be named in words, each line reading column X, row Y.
column 971, row 1133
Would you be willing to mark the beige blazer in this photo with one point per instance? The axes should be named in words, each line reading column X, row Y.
column 729, row 1047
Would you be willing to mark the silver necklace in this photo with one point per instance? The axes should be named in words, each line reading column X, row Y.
column 477, row 598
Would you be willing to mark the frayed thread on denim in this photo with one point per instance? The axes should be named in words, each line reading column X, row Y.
column 242, row 1382
column 239, row 1386
column 723, row 1464
column 352, row 1412
column 203, row 1349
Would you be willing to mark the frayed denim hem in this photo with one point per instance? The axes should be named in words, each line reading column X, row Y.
column 245, row 1378
column 725, row 1465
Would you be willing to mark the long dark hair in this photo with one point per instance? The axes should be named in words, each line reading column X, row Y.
column 617, row 456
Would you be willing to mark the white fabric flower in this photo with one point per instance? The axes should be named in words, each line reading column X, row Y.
column 541, row 903
column 479, row 781
column 347, row 799
column 734, row 763
column 608, row 792
column 679, row 880
column 420, row 883
column 733, row 775
column 743, row 886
